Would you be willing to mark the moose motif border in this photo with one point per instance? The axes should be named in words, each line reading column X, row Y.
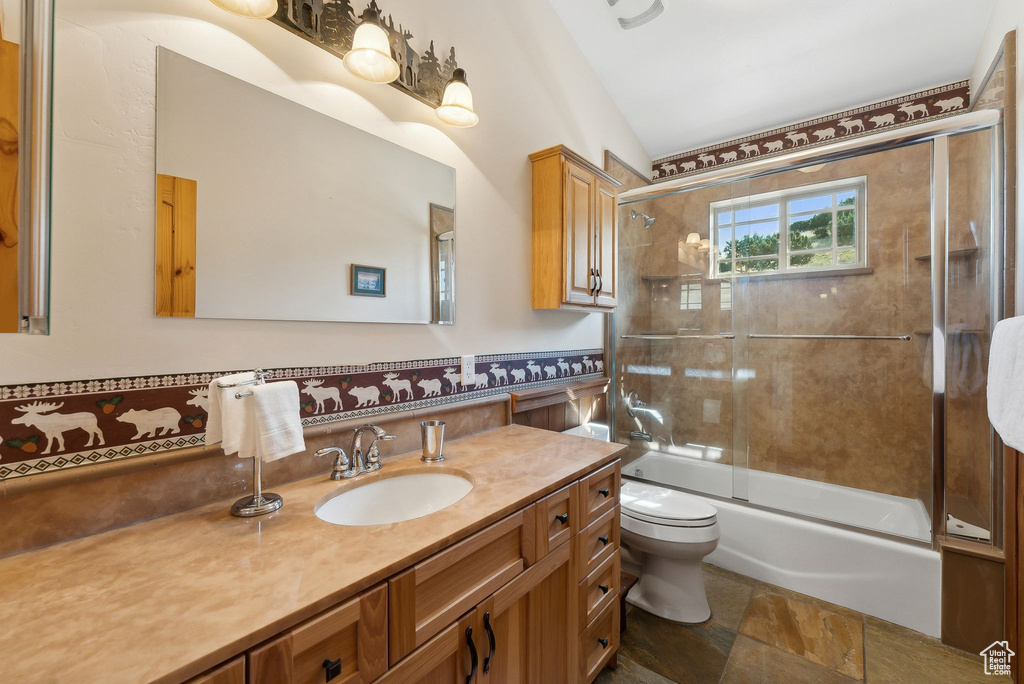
column 902, row 111
column 46, row 427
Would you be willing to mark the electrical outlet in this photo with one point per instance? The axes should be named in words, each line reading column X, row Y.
column 468, row 369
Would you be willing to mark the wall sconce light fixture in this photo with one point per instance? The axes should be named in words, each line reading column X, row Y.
column 457, row 102
column 253, row 9
column 372, row 50
column 370, row 57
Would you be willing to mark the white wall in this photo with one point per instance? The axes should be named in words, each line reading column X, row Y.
column 532, row 87
column 1008, row 15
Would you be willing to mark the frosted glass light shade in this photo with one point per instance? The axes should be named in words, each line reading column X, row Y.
column 254, row 9
column 370, row 57
column 693, row 239
column 457, row 102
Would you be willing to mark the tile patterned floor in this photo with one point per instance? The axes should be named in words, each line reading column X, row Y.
column 762, row 634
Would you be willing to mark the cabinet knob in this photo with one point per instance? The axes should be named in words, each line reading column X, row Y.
column 603, row 642
column 604, row 492
column 564, row 518
column 604, row 540
column 332, row 669
column 604, row 588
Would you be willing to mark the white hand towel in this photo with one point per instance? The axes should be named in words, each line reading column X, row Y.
column 1006, row 381
column 228, row 421
column 277, row 428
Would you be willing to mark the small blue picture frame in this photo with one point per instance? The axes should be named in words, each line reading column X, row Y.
column 369, row 281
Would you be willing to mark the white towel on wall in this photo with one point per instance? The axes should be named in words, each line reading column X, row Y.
column 229, row 419
column 277, row 427
column 1006, row 381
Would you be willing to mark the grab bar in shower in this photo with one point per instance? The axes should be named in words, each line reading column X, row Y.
column 669, row 336
column 897, row 338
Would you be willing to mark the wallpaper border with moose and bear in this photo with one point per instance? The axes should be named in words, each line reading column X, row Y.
column 925, row 105
column 52, row 426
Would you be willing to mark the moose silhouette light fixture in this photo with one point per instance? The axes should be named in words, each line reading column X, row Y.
column 372, row 49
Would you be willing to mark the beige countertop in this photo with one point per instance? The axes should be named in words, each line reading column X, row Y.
column 166, row 599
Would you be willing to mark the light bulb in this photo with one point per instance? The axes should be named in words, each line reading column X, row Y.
column 457, row 103
column 370, row 57
column 254, row 9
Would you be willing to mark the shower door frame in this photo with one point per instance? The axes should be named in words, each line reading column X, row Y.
column 938, row 132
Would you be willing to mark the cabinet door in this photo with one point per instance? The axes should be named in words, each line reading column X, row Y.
column 580, row 204
column 605, row 236
column 344, row 645
column 529, row 625
column 447, row 658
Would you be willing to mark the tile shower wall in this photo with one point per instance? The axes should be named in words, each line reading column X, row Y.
column 857, row 414
column 908, row 109
column 53, row 426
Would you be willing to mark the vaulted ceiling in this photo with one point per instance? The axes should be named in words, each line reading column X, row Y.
column 706, row 71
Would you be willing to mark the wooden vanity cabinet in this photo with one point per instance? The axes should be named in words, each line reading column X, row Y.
column 530, row 598
column 575, row 205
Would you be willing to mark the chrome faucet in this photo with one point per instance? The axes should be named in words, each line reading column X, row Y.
column 372, row 460
column 345, row 467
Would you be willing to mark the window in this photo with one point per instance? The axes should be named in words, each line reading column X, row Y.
column 811, row 228
column 726, row 296
column 689, row 297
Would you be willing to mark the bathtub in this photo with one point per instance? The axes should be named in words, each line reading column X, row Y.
column 894, row 580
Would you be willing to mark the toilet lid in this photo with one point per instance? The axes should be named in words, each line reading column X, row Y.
column 645, row 501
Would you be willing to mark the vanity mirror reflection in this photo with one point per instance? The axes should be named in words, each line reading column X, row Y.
column 267, row 209
column 25, row 77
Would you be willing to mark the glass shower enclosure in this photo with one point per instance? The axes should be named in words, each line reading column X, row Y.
column 810, row 334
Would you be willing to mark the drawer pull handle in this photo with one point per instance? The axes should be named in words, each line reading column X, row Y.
column 604, row 540
column 604, row 588
column 490, row 639
column 603, row 642
column 472, row 655
column 332, row 669
column 604, row 492
column 564, row 518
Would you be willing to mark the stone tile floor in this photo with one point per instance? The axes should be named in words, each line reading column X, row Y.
column 762, row 634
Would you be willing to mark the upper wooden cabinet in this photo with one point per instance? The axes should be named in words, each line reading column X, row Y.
column 574, row 232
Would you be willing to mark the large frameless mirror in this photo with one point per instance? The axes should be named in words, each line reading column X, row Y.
column 267, row 209
column 26, row 30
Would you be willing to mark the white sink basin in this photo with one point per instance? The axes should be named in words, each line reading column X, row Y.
column 393, row 499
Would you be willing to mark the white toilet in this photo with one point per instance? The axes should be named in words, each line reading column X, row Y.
column 668, row 534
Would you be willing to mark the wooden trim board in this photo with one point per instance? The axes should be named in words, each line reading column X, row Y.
column 176, row 200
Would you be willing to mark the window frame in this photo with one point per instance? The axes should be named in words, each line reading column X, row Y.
column 782, row 198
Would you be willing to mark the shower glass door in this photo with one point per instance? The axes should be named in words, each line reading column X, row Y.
column 774, row 342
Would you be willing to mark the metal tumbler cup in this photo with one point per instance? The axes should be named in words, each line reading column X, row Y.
column 432, row 432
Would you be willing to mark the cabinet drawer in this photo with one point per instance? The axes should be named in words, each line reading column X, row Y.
column 599, row 589
column 435, row 592
column 557, row 519
column 599, row 492
column 231, row 672
column 597, row 543
column 344, row 645
column 599, row 642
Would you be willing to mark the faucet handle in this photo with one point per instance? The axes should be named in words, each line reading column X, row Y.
column 340, row 462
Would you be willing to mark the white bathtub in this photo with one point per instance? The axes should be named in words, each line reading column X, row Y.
column 892, row 580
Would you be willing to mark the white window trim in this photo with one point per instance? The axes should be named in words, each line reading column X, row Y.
column 782, row 198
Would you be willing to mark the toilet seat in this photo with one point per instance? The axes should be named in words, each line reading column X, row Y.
column 656, row 505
